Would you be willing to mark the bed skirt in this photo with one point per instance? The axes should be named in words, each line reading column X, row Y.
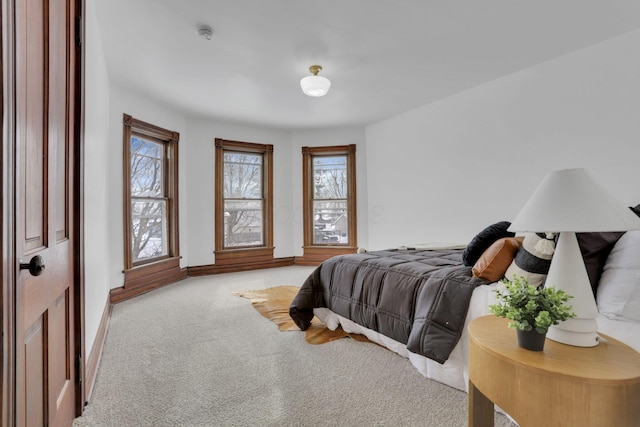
column 455, row 371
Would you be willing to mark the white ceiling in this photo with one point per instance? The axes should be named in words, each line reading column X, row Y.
column 383, row 57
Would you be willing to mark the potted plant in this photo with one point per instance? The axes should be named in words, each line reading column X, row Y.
column 531, row 310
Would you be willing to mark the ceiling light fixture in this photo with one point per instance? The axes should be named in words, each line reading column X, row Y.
column 315, row 85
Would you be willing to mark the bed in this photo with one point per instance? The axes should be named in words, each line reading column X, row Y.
column 414, row 302
column 418, row 303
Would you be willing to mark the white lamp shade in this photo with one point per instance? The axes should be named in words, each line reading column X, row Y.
column 570, row 200
column 315, row 85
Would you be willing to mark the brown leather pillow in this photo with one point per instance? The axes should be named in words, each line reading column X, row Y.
column 493, row 262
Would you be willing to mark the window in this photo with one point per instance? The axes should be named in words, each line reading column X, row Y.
column 329, row 195
column 148, row 200
column 150, row 203
column 243, row 211
column 243, row 196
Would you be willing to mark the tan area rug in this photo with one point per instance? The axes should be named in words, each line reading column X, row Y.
column 273, row 303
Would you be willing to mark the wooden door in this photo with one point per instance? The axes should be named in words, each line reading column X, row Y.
column 45, row 110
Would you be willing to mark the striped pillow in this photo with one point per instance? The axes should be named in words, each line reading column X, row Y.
column 530, row 262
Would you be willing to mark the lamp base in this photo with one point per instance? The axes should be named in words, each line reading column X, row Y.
column 567, row 272
column 576, row 332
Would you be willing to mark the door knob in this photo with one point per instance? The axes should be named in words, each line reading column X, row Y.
column 35, row 266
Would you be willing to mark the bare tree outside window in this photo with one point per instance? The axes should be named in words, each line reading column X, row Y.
column 148, row 204
column 243, row 199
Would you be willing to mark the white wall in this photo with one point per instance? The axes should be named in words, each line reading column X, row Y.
column 96, row 179
column 314, row 138
column 200, row 177
column 444, row 171
column 105, row 103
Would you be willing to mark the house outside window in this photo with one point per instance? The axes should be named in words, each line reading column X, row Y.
column 329, row 202
column 330, row 209
column 243, row 202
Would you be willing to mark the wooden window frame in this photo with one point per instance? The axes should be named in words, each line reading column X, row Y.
column 315, row 253
column 145, row 275
column 243, row 256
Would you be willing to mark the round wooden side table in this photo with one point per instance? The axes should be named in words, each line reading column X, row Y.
column 561, row 386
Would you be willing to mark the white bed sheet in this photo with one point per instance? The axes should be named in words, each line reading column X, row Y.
column 627, row 332
column 455, row 371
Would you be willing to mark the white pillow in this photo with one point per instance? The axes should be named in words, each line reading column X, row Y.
column 618, row 293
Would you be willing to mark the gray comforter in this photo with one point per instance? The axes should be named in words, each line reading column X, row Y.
column 418, row 298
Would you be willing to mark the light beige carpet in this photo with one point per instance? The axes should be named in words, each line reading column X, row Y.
column 191, row 354
column 273, row 303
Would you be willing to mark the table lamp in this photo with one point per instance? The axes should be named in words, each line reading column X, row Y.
column 567, row 202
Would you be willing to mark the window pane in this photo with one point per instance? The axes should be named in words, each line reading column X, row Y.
column 330, row 177
column 330, row 223
column 146, row 168
column 148, row 229
column 243, row 223
column 242, row 176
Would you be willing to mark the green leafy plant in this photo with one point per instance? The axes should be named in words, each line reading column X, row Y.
column 528, row 307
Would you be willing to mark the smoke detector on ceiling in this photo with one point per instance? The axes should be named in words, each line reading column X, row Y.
column 206, row 32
